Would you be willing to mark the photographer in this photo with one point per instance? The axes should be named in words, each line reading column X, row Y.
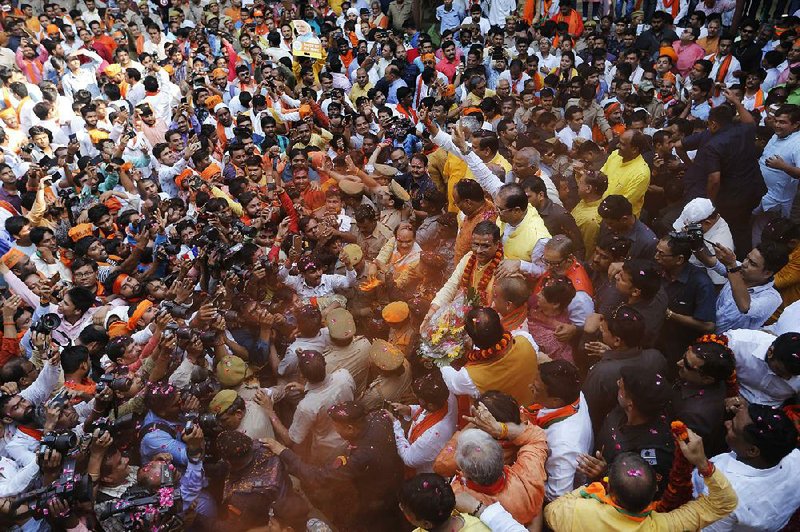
column 749, row 298
column 162, row 429
column 700, row 211
column 74, row 312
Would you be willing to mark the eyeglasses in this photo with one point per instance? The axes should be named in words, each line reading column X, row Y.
column 554, row 263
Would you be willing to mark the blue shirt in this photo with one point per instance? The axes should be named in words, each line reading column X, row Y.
column 158, row 441
column 781, row 187
column 764, row 300
column 449, row 20
column 391, row 97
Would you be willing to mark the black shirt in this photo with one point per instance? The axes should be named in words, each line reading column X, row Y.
column 732, row 152
column 692, row 294
column 560, row 222
column 643, row 240
column 702, row 408
column 600, row 387
column 652, row 441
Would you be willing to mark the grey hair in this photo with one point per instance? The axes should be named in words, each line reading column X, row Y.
column 471, row 124
column 479, row 456
column 561, row 244
column 532, row 155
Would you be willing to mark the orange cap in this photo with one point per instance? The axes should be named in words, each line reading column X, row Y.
column 80, row 231
column 211, row 171
column 12, row 257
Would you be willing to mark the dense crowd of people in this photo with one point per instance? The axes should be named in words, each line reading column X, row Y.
column 385, row 265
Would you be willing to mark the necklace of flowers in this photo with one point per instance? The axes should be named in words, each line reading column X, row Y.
column 482, row 355
column 486, row 277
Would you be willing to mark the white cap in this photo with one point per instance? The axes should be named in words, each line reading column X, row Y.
column 695, row 211
column 219, row 106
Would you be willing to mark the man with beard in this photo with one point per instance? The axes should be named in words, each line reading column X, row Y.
column 18, row 409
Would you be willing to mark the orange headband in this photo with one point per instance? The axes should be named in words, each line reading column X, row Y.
column 141, row 308
column 611, row 108
column 117, row 287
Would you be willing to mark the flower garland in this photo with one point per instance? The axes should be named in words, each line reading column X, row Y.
column 486, row 277
column 482, row 355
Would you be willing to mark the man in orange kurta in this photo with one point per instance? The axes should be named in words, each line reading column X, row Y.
column 571, row 17
column 520, row 488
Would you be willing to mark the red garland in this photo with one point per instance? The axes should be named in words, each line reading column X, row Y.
column 488, row 273
column 482, row 355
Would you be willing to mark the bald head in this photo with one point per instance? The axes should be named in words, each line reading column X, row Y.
column 632, row 482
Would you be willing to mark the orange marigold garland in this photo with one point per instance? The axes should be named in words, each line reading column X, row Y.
column 482, row 355
column 679, row 487
column 486, row 277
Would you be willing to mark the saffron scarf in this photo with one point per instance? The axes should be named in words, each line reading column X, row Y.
column 492, row 489
column 515, row 318
column 551, row 418
column 430, row 420
column 597, row 491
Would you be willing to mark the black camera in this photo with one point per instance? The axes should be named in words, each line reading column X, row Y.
column 139, row 510
column 177, row 311
column 206, row 421
column 27, row 148
column 62, row 442
column 692, row 234
column 113, row 426
column 46, row 324
column 117, row 384
column 247, row 230
column 71, row 487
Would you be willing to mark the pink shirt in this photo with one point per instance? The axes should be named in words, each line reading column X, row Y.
column 687, row 55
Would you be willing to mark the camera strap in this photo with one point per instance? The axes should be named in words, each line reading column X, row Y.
column 158, row 425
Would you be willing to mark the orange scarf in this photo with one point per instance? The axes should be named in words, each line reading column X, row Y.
column 674, row 5
column 551, row 418
column 514, row 319
column 722, row 73
column 597, row 491
column 491, row 489
column 32, row 432
column 430, row 420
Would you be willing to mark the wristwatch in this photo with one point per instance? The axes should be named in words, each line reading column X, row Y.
column 735, row 269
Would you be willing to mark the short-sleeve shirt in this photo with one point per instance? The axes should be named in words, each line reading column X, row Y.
column 731, row 152
column 691, row 294
column 781, row 187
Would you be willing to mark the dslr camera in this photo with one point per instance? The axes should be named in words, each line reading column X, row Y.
column 691, row 234
column 46, row 324
column 117, row 384
column 71, row 487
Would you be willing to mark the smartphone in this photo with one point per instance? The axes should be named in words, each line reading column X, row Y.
column 297, row 243
column 72, row 137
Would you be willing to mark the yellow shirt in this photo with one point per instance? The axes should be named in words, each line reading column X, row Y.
column 471, row 524
column 520, row 242
column 499, row 160
column 573, row 512
column 629, row 179
column 356, row 92
column 588, row 221
column 455, row 169
column 787, row 281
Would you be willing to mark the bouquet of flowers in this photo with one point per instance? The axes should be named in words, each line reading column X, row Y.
column 445, row 339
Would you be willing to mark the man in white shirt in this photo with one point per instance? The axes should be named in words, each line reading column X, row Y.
column 561, row 410
column 762, row 467
column 726, row 66
column 311, row 336
column 311, row 282
column 575, row 127
column 433, row 423
column 311, row 419
column 767, row 368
